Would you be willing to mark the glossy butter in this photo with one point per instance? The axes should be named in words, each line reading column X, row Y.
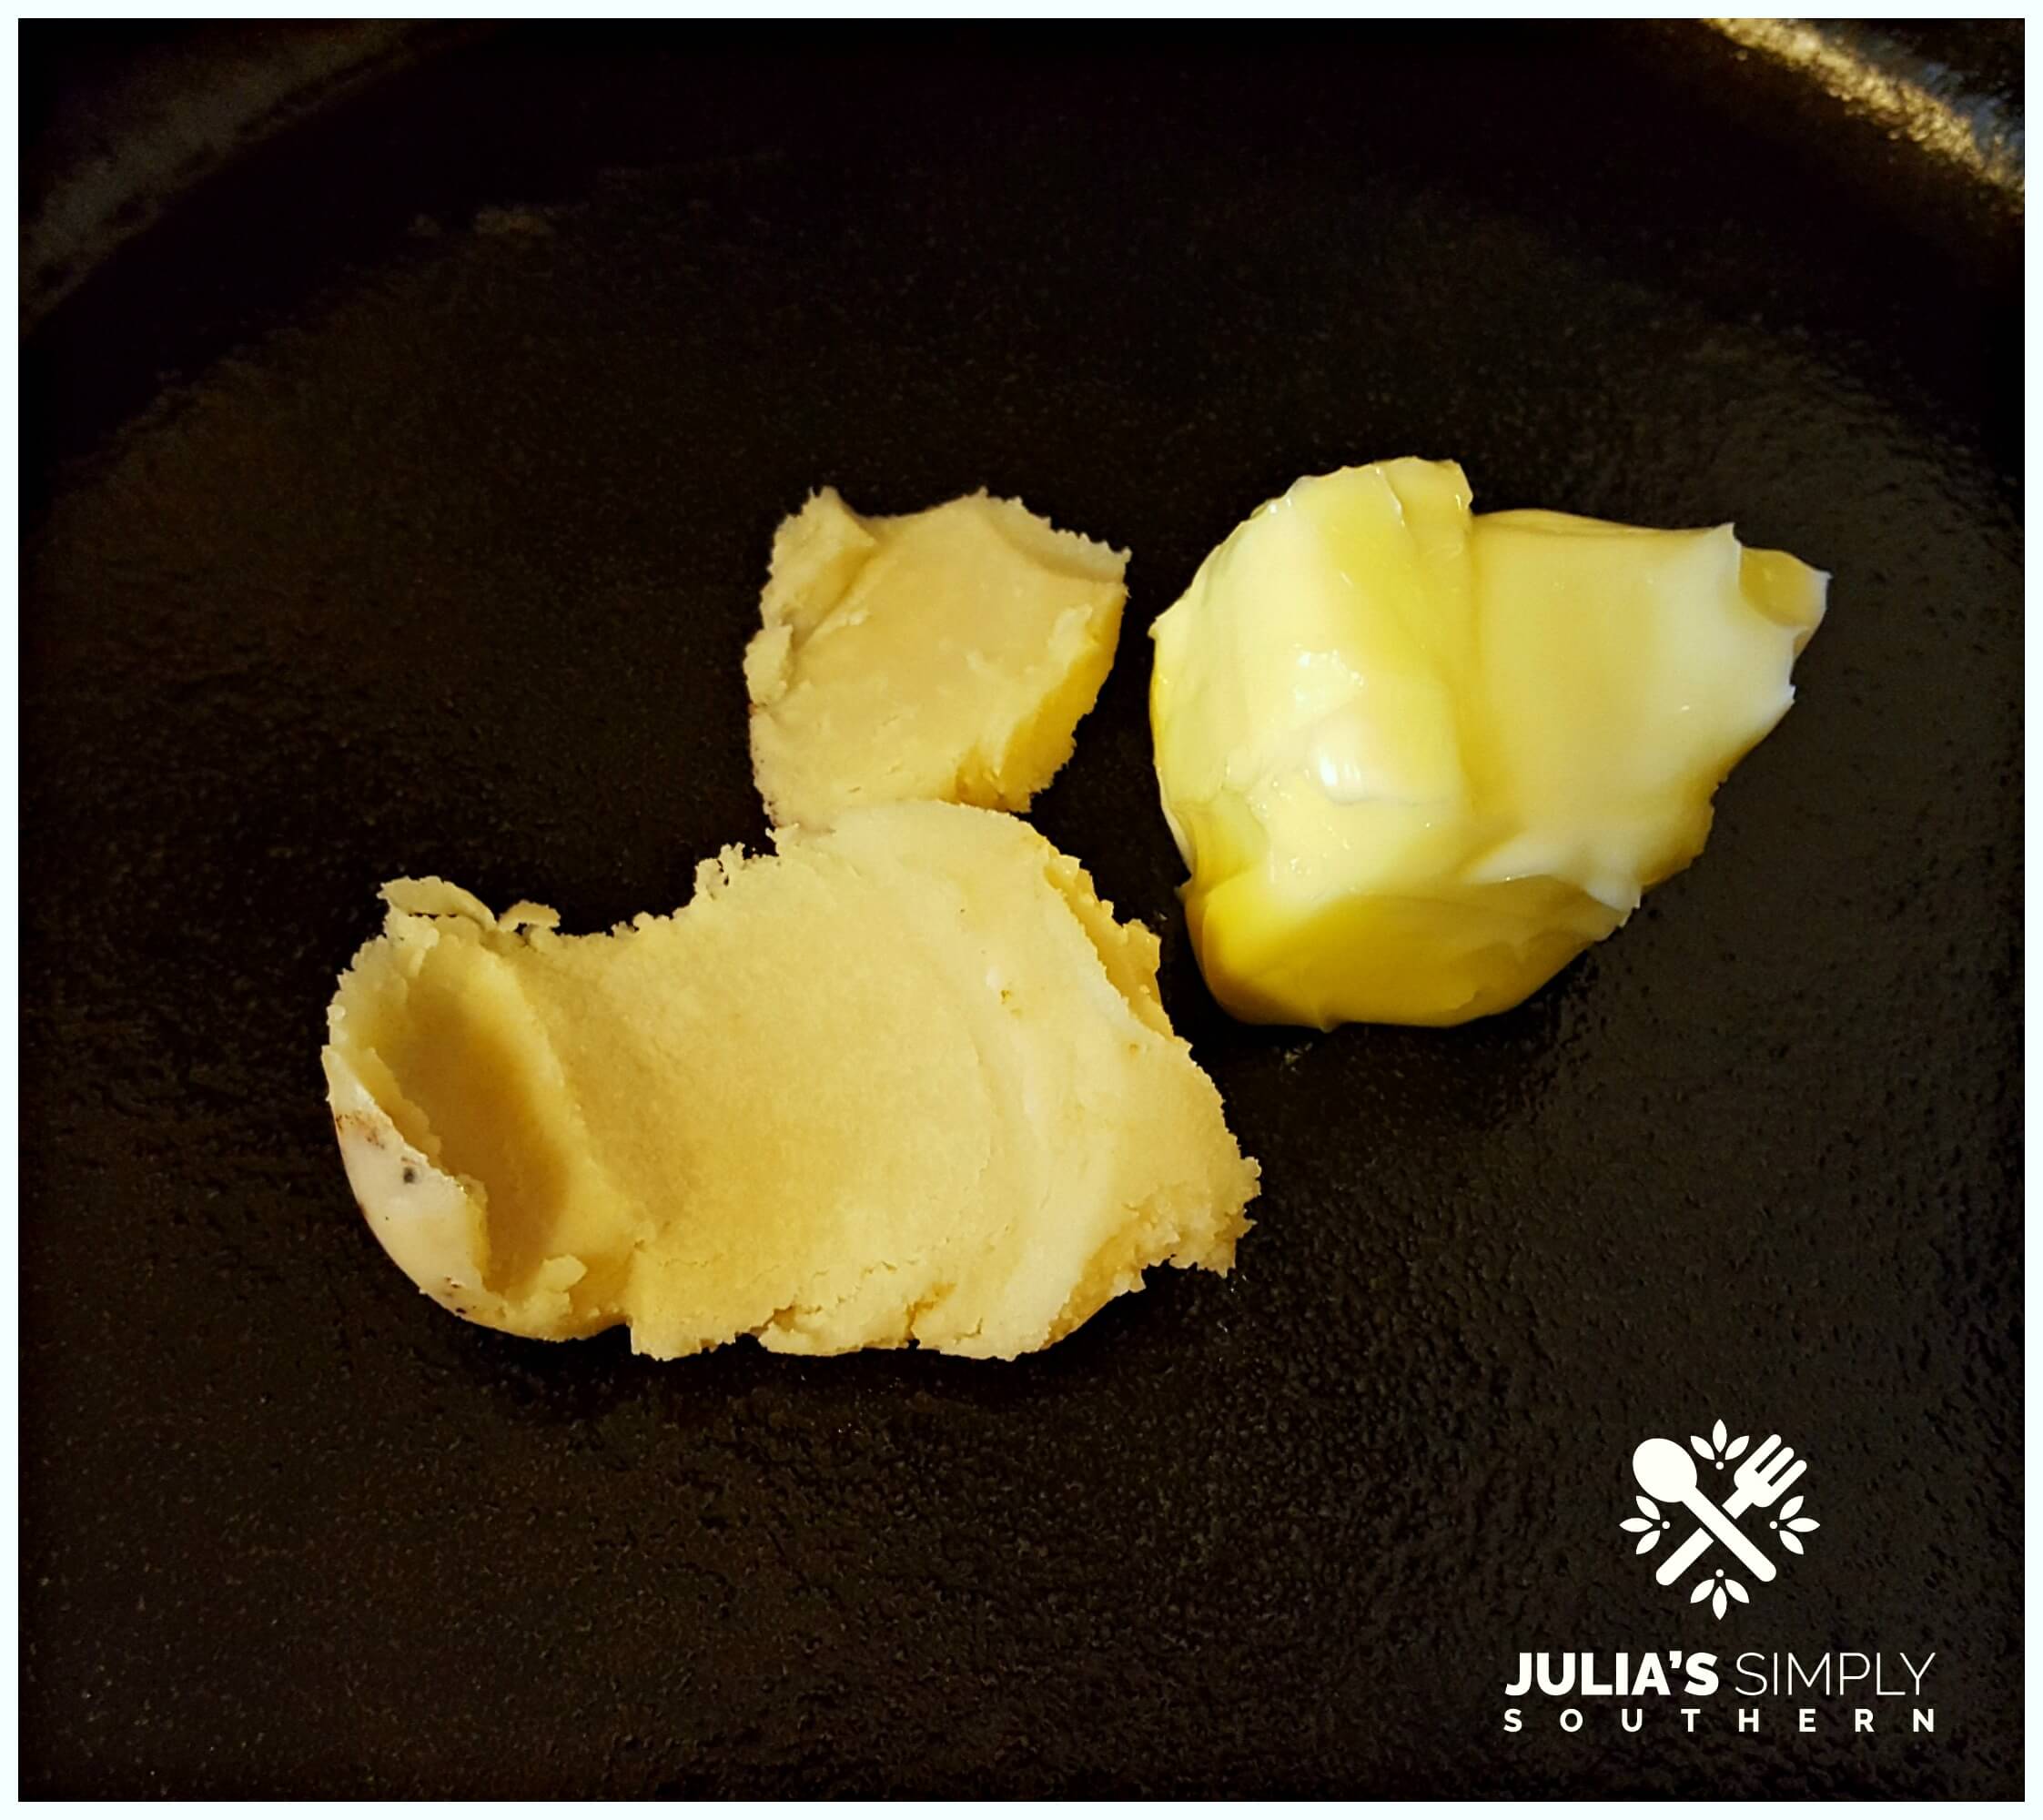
column 1417, row 760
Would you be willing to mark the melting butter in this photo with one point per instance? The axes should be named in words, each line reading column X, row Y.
column 1417, row 760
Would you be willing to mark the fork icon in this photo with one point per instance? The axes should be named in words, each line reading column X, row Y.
column 1758, row 1483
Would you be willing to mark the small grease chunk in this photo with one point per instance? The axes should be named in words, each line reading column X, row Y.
column 945, row 656
column 906, row 1080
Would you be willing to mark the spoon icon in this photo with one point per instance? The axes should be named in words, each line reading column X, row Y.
column 1664, row 1472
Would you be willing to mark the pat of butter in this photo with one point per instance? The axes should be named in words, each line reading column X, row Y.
column 947, row 656
column 1417, row 760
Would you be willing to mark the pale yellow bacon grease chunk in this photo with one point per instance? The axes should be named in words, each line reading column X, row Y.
column 945, row 656
column 1418, row 760
column 905, row 1080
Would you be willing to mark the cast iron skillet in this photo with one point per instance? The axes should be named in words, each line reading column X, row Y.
column 397, row 502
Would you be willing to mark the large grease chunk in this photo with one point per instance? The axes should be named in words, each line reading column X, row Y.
column 1418, row 760
column 945, row 656
column 906, row 1080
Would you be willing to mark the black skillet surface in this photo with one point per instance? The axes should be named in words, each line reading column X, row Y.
column 399, row 503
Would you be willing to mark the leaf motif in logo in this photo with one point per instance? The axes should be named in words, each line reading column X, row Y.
column 1718, row 1604
column 1649, row 1509
column 1718, row 1433
column 1793, row 1505
column 1702, row 1592
column 1736, row 1592
column 1738, row 1447
column 1804, row 1524
column 1702, row 1447
column 1792, row 1543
